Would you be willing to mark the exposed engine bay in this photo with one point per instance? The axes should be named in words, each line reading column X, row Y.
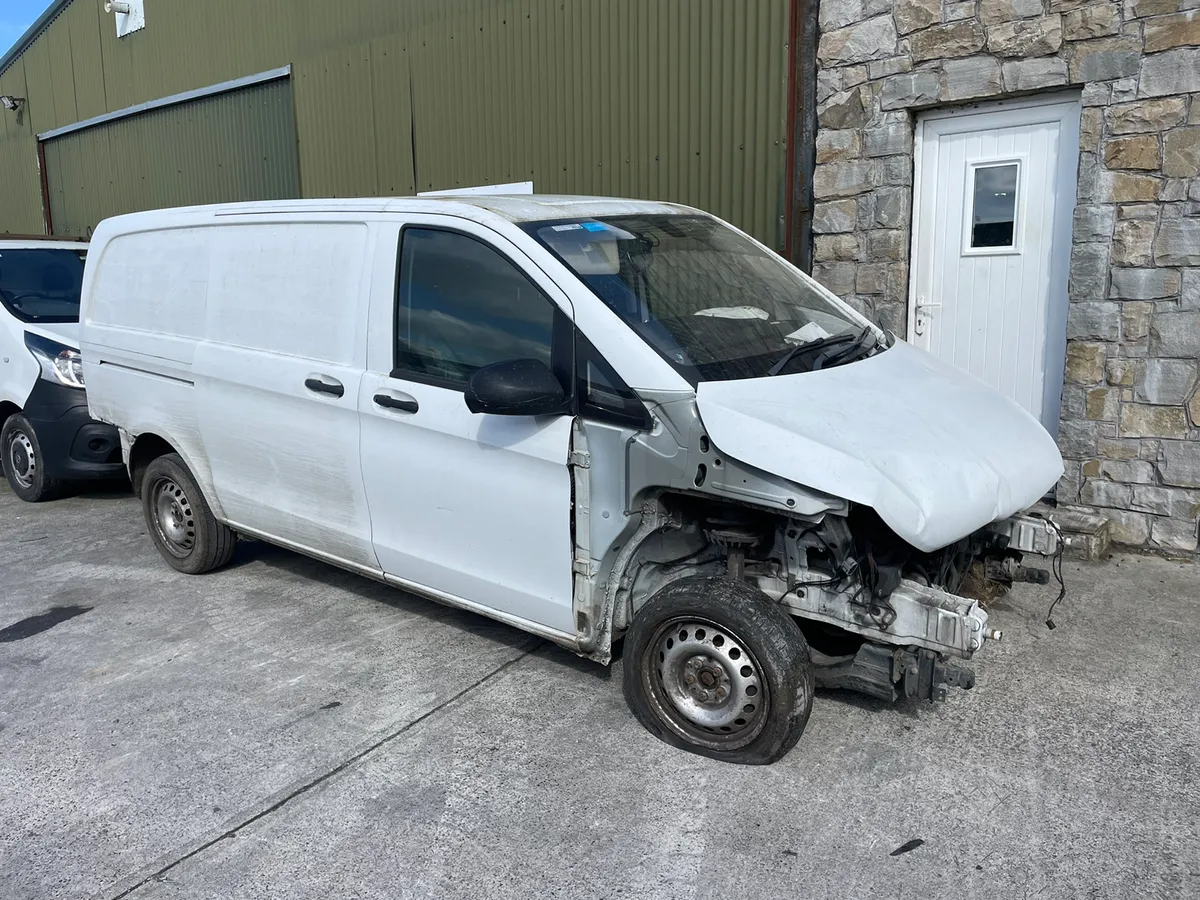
column 880, row 616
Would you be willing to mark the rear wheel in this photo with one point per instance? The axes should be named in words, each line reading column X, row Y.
column 180, row 523
column 24, row 462
column 713, row 666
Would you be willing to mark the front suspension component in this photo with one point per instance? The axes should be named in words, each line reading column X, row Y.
column 926, row 678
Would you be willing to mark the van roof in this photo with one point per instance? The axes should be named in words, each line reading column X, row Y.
column 40, row 242
column 514, row 207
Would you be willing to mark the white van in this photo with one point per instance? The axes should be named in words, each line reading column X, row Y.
column 47, row 438
column 590, row 418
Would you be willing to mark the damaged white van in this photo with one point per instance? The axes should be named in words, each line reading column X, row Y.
column 591, row 418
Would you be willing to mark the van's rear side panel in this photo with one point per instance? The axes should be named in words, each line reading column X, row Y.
column 209, row 330
column 144, row 312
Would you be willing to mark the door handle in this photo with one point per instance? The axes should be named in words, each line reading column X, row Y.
column 399, row 402
column 323, row 384
column 920, row 313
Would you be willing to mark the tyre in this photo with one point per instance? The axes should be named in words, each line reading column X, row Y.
column 714, row 667
column 24, row 463
column 180, row 523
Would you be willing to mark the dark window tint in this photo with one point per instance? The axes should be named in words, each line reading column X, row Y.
column 995, row 209
column 41, row 285
column 462, row 305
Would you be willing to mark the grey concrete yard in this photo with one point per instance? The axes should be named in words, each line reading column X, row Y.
column 282, row 729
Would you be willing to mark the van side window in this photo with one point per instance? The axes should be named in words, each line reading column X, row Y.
column 462, row 305
column 602, row 394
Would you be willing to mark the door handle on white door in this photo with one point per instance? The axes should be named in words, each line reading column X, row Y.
column 397, row 400
column 919, row 314
column 323, row 384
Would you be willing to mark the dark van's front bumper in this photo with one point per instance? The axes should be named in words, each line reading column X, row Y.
column 74, row 446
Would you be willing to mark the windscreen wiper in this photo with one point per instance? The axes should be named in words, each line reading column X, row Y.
column 844, row 355
column 811, row 346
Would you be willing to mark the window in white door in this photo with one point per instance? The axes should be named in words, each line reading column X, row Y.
column 462, row 305
column 993, row 210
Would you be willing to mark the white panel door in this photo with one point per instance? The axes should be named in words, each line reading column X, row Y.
column 993, row 199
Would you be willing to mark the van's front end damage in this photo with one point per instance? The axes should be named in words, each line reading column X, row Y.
column 880, row 614
column 850, row 577
column 912, row 634
column 911, row 656
column 880, row 617
column 876, row 533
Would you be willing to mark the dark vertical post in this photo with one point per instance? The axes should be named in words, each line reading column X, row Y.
column 47, row 217
column 801, row 130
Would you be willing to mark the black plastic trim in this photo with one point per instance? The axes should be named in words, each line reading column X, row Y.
column 66, row 433
column 634, row 414
column 318, row 386
column 408, row 406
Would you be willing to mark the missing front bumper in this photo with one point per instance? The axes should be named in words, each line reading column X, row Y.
column 889, row 673
column 924, row 618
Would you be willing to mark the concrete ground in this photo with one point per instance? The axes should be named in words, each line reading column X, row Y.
column 282, row 729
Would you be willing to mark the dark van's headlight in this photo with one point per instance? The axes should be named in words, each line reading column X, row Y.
column 58, row 361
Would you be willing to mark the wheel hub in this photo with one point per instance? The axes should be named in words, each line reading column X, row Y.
column 22, row 461
column 173, row 517
column 708, row 683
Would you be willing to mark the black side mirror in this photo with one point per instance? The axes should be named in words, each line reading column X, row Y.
column 522, row 387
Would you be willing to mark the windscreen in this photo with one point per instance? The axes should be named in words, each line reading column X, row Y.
column 41, row 285
column 713, row 303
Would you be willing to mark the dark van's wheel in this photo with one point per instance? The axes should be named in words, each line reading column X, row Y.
column 24, row 463
column 713, row 666
column 180, row 523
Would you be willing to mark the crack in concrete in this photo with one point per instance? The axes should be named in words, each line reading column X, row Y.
column 311, row 783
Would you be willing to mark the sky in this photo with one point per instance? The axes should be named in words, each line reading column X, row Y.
column 15, row 17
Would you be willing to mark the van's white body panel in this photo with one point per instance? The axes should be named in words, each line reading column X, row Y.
column 18, row 369
column 203, row 326
column 936, row 452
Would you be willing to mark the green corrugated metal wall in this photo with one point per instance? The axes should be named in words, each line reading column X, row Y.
column 679, row 100
column 235, row 146
column 20, row 185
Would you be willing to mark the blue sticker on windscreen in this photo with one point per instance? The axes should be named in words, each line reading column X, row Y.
column 595, row 226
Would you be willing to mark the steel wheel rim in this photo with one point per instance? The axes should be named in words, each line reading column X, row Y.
column 173, row 518
column 22, row 459
column 706, row 683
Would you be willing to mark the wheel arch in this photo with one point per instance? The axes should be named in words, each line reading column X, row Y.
column 639, row 564
column 147, row 445
column 146, row 448
column 7, row 409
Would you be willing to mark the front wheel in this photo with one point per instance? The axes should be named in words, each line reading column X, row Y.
column 714, row 667
column 24, row 463
column 180, row 523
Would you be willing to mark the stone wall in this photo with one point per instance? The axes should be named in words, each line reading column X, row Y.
column 1130, row 428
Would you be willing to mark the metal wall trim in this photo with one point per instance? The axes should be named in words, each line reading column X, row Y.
column 224, row 87
column 803, row 35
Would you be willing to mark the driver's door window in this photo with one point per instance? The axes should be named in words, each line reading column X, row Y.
column 463, row 305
